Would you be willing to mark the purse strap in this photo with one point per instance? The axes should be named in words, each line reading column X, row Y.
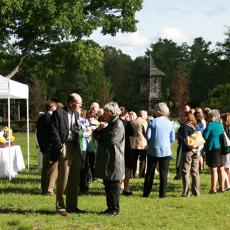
column 191, row 126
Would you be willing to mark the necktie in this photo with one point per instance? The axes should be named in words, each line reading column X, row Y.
column 72, row 122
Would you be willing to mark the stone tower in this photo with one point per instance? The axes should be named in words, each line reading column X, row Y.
column 155, row 78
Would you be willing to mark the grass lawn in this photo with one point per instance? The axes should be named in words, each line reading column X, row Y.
column 22, row 206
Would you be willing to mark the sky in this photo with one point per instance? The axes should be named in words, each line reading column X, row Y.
column 178, row 20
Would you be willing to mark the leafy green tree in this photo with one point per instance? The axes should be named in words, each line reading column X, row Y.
column 33, row 26
column 204, row 73
column 75, row 67
column 140, row 83
column 223, row 64
column 119, row 67
column 179, row 91
column 168, row 56
column 224, row 47
column 38, row 96
column 219, row 98
column 68, row 67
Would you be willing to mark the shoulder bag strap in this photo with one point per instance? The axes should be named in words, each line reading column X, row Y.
column 191, row 126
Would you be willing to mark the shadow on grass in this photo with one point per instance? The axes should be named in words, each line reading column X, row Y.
column 21, row 211
column 24, row 180
column 171, row 186
column 30, row 178
column 32, row 171
column 41, row 211
column 92, row 192
column 17, row 187
column 20, row 190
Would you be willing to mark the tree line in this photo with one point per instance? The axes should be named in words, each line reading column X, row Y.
column 45, row 44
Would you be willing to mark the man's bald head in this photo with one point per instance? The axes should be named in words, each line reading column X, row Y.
column 74, row 102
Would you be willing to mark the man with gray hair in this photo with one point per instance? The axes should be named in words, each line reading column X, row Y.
column 66, row 150
column 110, row 164
column 95, row 107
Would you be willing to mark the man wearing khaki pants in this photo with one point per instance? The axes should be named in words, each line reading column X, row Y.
column 43, row 134
column 66, row 150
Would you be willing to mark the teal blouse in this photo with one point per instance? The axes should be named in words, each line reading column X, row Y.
column 213, row 135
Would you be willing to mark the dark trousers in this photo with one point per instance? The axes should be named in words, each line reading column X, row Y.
column 141, row 155
column 112, row 191
column 149, row 177
column 44, row 172
column 178, row 162
column 84, row 173
column 92, row 162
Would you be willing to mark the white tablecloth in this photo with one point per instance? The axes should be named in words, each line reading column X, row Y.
column 16, row 161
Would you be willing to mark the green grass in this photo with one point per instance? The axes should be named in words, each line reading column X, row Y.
column 22, row 206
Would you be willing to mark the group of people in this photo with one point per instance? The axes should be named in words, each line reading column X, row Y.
column 66, row 137
column 212, row 125
column 79, row 145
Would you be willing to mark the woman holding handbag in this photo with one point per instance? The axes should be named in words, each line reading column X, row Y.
column 190, row 158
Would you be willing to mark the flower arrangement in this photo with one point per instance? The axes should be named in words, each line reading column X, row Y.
column 5, row 137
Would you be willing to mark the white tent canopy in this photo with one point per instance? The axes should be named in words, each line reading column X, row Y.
column 10, row 89
column 14, row 89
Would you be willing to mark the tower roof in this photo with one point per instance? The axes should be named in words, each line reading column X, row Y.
column 154, row 70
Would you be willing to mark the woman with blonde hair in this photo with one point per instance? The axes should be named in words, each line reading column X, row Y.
column 201, row 126
column 132, row 115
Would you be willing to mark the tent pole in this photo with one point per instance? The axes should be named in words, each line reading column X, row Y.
column 28, row 133
column 9, row 131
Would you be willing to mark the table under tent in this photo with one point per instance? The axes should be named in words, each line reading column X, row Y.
column 10, row 89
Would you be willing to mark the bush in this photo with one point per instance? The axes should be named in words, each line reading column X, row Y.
column 20, row 126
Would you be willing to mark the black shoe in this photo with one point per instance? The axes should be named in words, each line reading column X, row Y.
column 145, row 195
column 77, row 210
column 177, row 178
column 127, row 193
column 95, row 179
column 113, row 213
column 185, row 195
column 106, row 211
column 212, row 192
column 84, row 189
